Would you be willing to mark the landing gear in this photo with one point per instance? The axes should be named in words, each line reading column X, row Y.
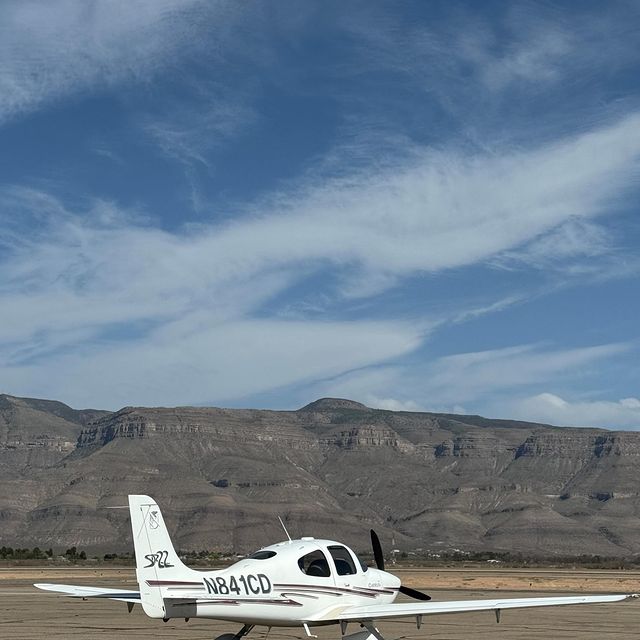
column 372, row 629
column 236, row 636
column 370, row 632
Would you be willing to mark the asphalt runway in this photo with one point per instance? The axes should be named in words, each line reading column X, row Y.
column 29, row 614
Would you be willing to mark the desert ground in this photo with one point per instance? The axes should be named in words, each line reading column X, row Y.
column 29, row 614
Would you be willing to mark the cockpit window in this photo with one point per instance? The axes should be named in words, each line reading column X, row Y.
column 262, row 555
column 315, row 564
column 343, row 560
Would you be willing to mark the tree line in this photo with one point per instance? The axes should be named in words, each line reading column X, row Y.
column 9, row 553
column 206, row 557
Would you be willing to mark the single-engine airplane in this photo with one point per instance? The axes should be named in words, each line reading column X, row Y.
column 297, row 583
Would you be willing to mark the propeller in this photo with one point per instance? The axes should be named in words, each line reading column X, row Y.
column 379, row 558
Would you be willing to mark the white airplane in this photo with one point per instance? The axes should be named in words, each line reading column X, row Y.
column 297, row 583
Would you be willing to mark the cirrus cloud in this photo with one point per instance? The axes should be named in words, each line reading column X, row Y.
column 99, row 274
column 51, row 50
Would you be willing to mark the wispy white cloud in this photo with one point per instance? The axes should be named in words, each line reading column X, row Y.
column 574, row 239
column 186, row 133
column 514, row 72
column 443, row 212
column 51, row 50
column 537, row 55
column 189, row 134
column 575, row 247
column 97, row 271
column 392, row 404
column 448, row 210
column 551, row 408
column 527, row 43
column 198, row 358
column 464, row 377
column 492, row 307
column 487, row 380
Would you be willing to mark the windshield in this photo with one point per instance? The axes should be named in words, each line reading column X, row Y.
column 361, row 562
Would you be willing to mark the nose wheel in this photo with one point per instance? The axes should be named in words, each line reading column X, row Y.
column 369, row 632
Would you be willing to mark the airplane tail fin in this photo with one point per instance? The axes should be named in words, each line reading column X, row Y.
column 157, row 563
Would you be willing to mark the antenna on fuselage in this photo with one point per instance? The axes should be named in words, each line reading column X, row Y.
column 285, row 528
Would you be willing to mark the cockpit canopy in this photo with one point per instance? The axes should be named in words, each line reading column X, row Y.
column 318, row 558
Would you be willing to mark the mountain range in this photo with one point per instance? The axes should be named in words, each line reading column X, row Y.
column 335, row 468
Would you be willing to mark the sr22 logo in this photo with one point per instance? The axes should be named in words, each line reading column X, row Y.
column 247, row 585
column 158, row 559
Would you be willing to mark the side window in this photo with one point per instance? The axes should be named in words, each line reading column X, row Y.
column 343, row 560
column 315, row 564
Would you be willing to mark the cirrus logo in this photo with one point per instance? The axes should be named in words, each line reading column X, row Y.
column 158, row 559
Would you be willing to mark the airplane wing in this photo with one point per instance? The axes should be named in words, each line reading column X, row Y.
column 410, row 609
column 91, row 592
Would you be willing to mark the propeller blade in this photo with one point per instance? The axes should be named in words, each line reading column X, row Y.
column 413, row 593
column 379, row 558
column 377, row 550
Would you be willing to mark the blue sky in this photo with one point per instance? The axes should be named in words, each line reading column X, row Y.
column 417, row 205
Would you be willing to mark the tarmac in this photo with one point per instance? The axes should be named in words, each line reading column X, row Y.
column 27, row 613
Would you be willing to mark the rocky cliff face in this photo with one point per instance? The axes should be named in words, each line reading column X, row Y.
column 36, row 433
column 333, row 468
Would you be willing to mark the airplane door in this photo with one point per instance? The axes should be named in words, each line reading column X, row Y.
column 345, row 567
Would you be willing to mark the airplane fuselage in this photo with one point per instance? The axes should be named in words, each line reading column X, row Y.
column 264, row 590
